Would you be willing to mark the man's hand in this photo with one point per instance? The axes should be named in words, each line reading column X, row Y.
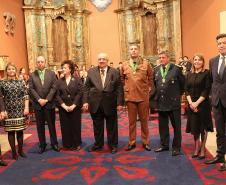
column 42, row 102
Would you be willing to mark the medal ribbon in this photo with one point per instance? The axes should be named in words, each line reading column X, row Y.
column 164, row 73
column 134, row 65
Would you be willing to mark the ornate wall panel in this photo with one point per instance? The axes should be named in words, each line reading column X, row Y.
column 39, row 19
column 135, row 30
column 152, row 24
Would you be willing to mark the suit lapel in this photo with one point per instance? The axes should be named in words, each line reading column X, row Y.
column 38, row 78
column 215, row 67
column 97, row 78
column 46, row 77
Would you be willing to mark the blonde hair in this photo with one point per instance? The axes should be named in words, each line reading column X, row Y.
column 201, row 57
column 7, row 66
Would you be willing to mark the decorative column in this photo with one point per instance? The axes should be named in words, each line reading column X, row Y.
column 49, row 42
column 29, row 24
column 177, row 29
column 163, row 27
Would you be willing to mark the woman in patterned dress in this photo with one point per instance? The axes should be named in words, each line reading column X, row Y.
column 16, row 108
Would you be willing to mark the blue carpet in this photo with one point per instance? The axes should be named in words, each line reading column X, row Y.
column 137, row 167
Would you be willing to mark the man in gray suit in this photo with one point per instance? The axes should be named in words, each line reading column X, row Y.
column 42, row 93
column 218, row 76
column 102, row 96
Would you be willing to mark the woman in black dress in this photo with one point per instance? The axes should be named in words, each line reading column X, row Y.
column 69, row 97
column 197, row 90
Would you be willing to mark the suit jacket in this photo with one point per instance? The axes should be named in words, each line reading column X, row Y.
column 108, row 96
column 218, row 84
column 38, row 90
column 137, row 86
column 168, row 93
column 71, row 93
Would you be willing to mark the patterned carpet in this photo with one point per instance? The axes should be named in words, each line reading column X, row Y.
column 137, row 167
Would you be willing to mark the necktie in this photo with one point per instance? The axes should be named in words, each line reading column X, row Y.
column 102, row 76
column 221, row 71
column 41, row 75
column 164, row 68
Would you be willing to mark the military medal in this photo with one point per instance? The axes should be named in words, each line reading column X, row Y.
column 134, row 72
column 164, row 73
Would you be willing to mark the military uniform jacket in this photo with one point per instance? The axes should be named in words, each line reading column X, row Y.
column 137, row 86
column 168, row 92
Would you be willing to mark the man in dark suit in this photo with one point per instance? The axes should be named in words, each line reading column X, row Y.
column 42, row 94
column 102, row 96
column 218, row 77
column 186, row 65
column 169, row 83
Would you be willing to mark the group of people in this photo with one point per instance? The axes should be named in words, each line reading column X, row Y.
column 103, row 92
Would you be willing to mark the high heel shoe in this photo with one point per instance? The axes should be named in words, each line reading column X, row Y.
column 14, row 156
column 194, row 155
column 22, row 154
column 200, row 157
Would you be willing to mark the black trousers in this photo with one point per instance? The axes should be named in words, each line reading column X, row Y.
column 220, row 120
column 70, row 123
column 42, row 116
column 175, row 119
column 111, row 125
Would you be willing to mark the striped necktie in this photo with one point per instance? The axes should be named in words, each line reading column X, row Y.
column 102, row 71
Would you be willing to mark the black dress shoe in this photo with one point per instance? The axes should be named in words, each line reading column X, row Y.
column 175, row 152
column 147, row 147
column 114, row 150
column 161, row 149
column 2, row 163
column 55, row 148
column 42, row 149
column 131, row 147
column 77, row 148
column 215, row 160
column 222, row 168
column 95, row 148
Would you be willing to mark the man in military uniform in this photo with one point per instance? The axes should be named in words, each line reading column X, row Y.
column 169, row 82
column 137, row 77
